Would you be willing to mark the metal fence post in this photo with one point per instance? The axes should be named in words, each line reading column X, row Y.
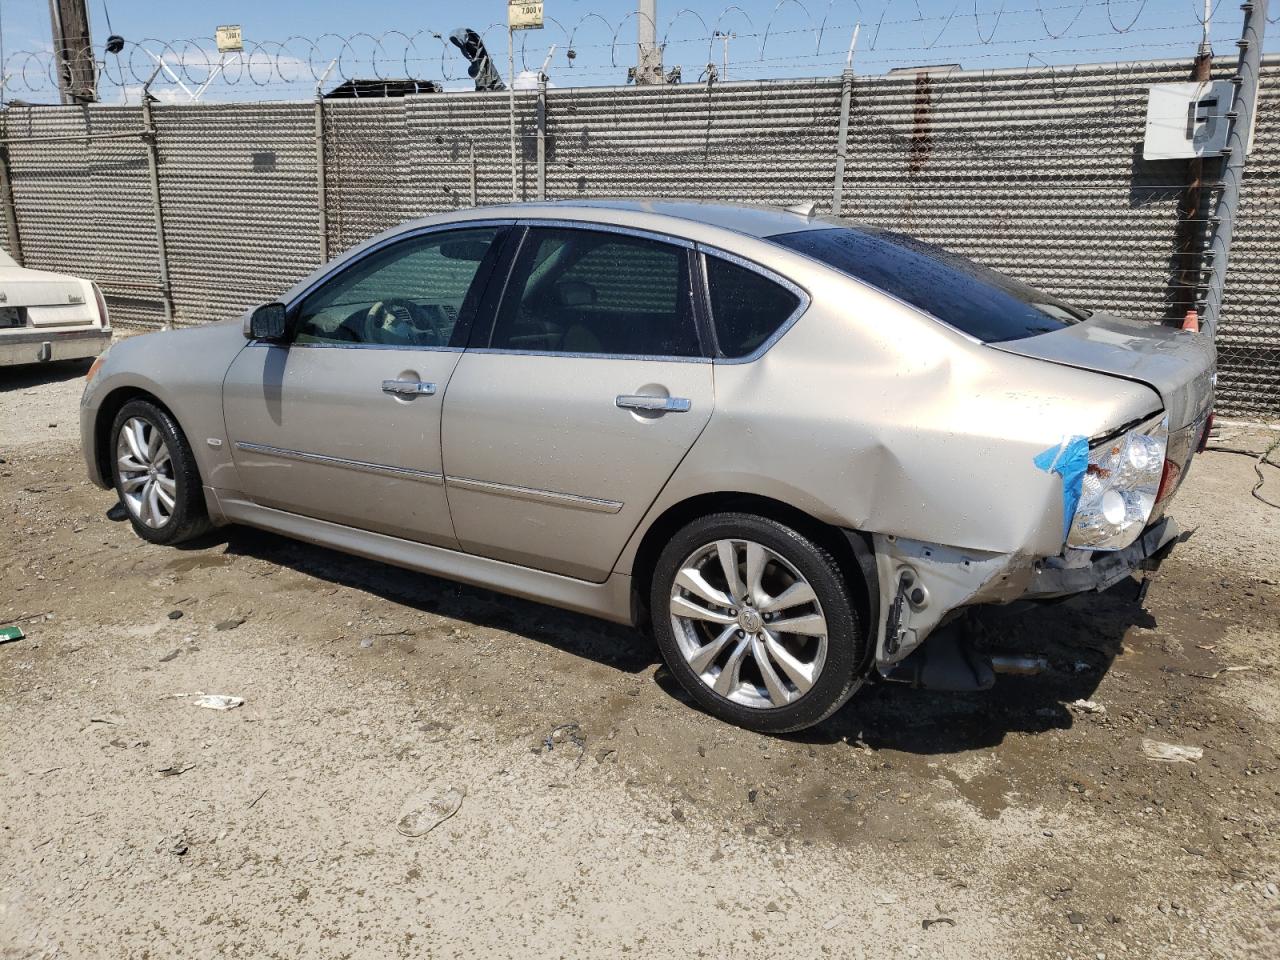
column 842, row 138
column 542, row 135
column 1241, row 117
column 842, row 142
column 322, row 193
column 153, row 168
column 10, row 211
column 475, row 200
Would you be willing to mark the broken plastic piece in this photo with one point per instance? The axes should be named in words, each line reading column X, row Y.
column 218, row 701
column 1171, row 752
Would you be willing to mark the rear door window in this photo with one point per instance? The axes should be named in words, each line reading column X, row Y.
column 968, row 296
column 747, row 308
column 598, row 293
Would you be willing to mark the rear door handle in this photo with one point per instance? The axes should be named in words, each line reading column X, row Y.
column 631, row 401
column 408, row 388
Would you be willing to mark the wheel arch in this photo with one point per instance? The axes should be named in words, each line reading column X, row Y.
column 852, row 549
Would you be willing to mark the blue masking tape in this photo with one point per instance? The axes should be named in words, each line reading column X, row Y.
column 1069, row 460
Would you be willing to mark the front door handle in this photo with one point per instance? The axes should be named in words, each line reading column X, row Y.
column 408, row 388
column 631, row 401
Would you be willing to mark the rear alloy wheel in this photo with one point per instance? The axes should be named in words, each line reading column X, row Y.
column 155, row 475
column 760, row 626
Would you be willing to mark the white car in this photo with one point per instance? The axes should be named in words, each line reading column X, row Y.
column 49, row 316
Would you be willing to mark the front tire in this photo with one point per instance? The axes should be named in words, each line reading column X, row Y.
column 757, row 622
column 155, row 475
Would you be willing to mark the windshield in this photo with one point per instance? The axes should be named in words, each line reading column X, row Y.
column 968, row 296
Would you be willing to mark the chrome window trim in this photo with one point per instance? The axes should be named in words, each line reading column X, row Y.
column 355, row 346
column 571, row 500
column 705, row 250
column 363, row 466
column 608, row 228
column 499, row 351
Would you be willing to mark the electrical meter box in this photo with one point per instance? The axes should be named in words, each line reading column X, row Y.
column 1187, row 119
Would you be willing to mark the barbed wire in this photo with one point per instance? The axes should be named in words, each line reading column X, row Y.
column 299, row 62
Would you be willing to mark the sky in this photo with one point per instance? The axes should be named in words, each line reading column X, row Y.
column 288, row 43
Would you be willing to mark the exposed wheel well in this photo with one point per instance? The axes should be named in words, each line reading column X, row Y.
column 111, row 405
column 852, row 550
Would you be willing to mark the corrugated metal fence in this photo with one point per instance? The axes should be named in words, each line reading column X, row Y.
column 1037, row 173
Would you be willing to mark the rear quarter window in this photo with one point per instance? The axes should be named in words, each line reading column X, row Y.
column 974, row 299
column 747, row 308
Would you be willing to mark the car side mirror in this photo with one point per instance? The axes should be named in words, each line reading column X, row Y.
column 266, row 322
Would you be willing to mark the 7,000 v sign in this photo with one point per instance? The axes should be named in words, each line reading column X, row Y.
column 524, row 14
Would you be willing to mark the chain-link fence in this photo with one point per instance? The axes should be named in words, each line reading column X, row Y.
column 1037, row 172
column 1249, row 337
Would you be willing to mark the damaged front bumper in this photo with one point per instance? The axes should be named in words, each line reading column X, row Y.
column 922, row 585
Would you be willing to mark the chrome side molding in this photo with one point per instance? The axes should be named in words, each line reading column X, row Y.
column 571, row 500
column 424, row 476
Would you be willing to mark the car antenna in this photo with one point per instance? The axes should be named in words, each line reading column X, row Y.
column 807, row 209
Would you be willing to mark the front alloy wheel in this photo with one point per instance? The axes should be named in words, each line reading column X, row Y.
column 155, row 474
column 758, row 622
column 145, row 469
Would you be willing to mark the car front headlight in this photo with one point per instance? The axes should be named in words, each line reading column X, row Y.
column 1119, row 489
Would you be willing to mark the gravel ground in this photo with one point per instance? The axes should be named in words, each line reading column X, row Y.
column 1009, row 823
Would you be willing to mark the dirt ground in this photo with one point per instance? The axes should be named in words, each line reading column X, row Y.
column 1002, row 824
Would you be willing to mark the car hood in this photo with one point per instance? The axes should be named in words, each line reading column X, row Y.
column 1177, row 364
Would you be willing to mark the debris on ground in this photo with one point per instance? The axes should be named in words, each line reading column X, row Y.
column 1170, row 752
column 929, row 922
column 425, row 811
column 1088, row 706
column 171, row 655
column 218, row 701
column 176, row 845
column 10, row 634
column 229, row 624
column 176, row 768
column 565, row 733
column 175, row 614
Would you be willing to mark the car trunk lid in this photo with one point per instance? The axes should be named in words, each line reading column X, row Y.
column 44, row 299
column 1177, row 364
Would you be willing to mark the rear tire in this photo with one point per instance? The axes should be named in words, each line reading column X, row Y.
column 757, row 622
column 156, row 476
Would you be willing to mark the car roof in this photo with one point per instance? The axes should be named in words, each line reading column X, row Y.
column 679, row 217
column 731, row 226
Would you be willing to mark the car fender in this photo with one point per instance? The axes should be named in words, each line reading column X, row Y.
column 183, row 369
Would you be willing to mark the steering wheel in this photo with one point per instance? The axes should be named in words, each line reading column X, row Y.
column 383, row 314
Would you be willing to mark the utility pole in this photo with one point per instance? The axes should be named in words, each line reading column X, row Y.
column 1241, row 117
column 77, row 69
column 725, row 36
column 648, row 53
